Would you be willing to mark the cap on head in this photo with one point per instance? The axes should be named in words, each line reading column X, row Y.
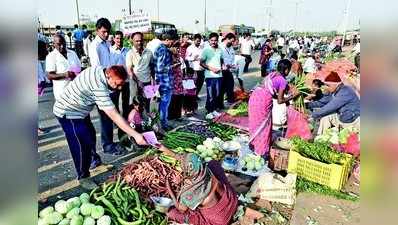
column 333, row 77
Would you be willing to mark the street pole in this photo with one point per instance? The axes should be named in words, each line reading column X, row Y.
column 158, row 9
column 346, row 13
column 129, row 7
column 77, row 11
column 205, row 20
column 269, row 16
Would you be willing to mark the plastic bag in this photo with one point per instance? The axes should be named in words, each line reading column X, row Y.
column 352, row 146
column 297, row 125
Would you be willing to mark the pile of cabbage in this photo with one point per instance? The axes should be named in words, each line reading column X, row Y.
column 333, row 136
column 211, row 149
column 252, row 162
column 74, row 211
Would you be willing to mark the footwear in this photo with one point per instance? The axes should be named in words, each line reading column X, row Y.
column 87, row 183
column 95, row 164
column 216, row 114
column 42, row 131
column 116, row 150
column 210, row 116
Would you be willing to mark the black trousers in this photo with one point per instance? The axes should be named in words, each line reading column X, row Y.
column 227, row 86
column 125, row 92
column 248, row 61
column 200, row 79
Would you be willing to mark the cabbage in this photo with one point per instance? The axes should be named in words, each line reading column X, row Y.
column 73, row 212
column 250, row 165
column 86, row 209
column 97, row 212
column 62, row 206
column 75, row 201
column 77, row 220
column 217, row 139
column 89, row 221
column 84, row 198
column 41, row 221
column 208, row 143
column 53, row 218
column 65, row 221
column 46, row 211
column 257, row 165
column 201, row 148
column 104, row 220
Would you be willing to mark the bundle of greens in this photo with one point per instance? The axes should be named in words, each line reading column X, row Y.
column 299, row 83
column 225, row 132
column 240, row 110
column 303, row 185
column 320, row 151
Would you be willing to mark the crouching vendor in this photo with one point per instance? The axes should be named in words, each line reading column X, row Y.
column 340, row 110
column 206, row 197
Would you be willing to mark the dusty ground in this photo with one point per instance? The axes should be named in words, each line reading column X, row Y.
column 56, row 174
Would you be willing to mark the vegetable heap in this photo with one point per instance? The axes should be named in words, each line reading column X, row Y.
column 299, row 83
column 225, row 132
column 240, row 110
column 211, row 149
column 177, row 139
column 125, row 205
column 149, row 176
column 74, row 211
column 252, row 162
column 333, row 136
column 320, row 151
column 199, row 129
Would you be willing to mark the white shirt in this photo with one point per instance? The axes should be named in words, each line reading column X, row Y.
column 99, row 51
column 246, row 46
column 357, row 48
column 86, row 46
column 56, row 62
column 309, row 65
column 280, row 41
column 153, row 45
column 228, row 54
column 192, row 53
column 294, row 45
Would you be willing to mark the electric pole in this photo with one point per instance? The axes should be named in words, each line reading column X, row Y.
column 346, row 13
column 77, row 11
column 129, row 7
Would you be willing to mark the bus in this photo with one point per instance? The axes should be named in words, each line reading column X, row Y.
column 157, row 25
column 238, row 30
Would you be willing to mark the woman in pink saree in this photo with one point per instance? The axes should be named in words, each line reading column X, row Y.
column 260, row 106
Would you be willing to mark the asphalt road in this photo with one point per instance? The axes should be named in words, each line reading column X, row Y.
column 56, row 173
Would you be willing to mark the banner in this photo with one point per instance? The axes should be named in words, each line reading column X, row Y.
column 137, row 22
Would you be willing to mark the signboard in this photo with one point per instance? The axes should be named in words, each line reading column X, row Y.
column 137, row 22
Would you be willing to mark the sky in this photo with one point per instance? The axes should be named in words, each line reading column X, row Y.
column 312, row 15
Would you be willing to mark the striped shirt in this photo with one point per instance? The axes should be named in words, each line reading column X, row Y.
column 80, row 96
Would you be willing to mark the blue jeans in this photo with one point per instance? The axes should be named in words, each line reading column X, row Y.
column 81, row 138
column 165, row 99
column 213, row 87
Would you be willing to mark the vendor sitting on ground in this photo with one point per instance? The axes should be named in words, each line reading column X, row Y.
column 341, row 110
column 206, row 197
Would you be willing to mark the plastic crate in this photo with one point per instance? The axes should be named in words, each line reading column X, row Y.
column 331, row 175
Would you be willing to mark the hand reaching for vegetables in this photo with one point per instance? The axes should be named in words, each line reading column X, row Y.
column 139, row 138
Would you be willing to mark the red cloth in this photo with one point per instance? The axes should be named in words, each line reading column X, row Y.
column 220, row 214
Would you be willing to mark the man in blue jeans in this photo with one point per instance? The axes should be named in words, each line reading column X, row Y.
column 211, row 60
column 162, row 60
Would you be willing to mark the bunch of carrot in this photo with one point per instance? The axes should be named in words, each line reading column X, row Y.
column 149, row 176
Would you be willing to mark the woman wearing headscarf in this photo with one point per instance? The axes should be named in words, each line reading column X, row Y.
column 274, row 86
column 206, row 197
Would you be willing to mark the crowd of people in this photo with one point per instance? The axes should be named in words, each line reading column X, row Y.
column 163, row 79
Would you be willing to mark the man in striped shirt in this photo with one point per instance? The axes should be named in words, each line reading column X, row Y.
column 91, row 87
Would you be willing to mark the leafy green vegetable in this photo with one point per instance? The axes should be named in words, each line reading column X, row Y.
column 89, row 221
column 320, row 151
column 53, row 218
column 303, row 185
column 86, row 209
column 241, row 110
column 46, row 211
column 97, row 212
column 62, row 206
column 299, row 83
column 104, row 220
column 77, row 220
column 73, row 212
column 84, row 198
column 65, row 221
column 225, row 132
